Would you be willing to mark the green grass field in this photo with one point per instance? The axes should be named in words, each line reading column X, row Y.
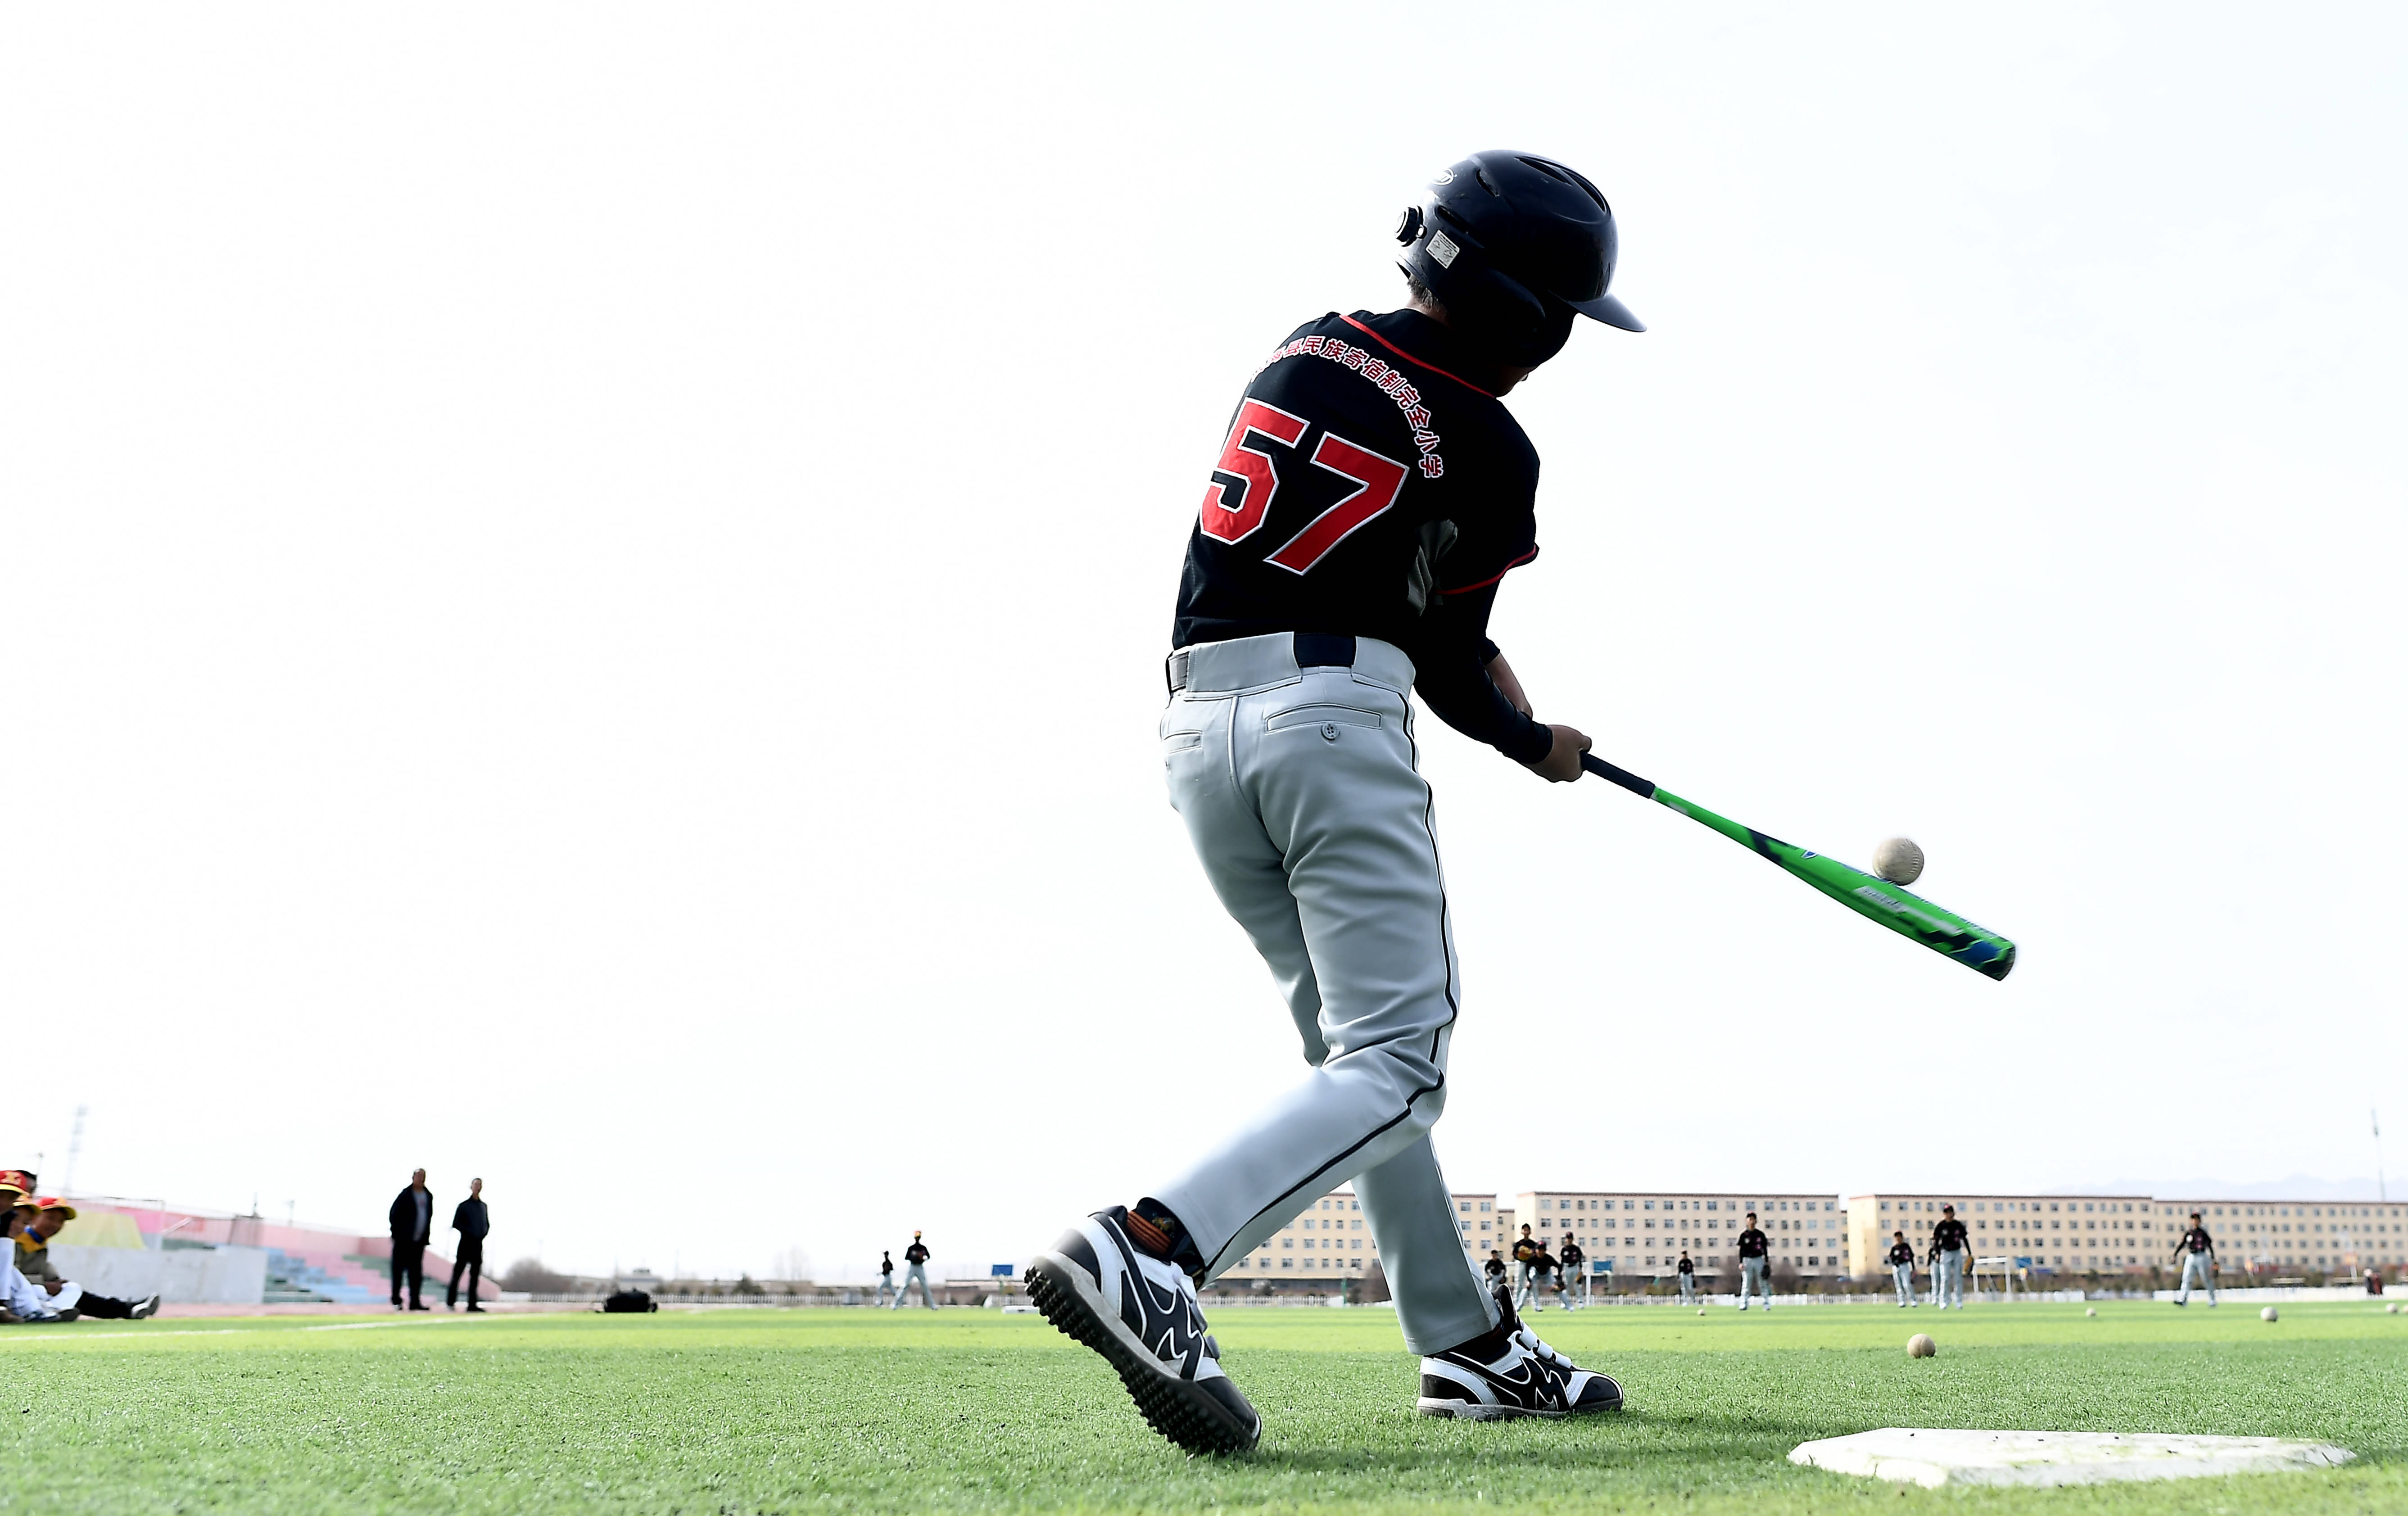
column 845, row 1410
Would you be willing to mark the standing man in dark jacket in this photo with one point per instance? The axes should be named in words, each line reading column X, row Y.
column 470, row 1221
column 413, row 1222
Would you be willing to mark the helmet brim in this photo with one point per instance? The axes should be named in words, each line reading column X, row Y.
column 1609, row 311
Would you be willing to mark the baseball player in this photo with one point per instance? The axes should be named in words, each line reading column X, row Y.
column 1370, row 496
column 1573, row 1260
column 1951, row 1250
column 915, row 1271
column 2197, row 1250
column 1495, row 1271
column 1688, row 1273
column 1528, row 1251
column 887, row 1295
column 1901, row 1269
column 1754, row 1264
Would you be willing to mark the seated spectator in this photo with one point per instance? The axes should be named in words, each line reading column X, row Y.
column 19, row 1300
column 51, row 1214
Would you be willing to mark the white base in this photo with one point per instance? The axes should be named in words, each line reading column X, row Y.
column 1911, row 1455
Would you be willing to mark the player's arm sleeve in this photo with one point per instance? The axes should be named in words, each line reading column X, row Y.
column 1451, row 659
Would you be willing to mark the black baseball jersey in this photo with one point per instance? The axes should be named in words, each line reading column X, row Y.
column 1495, row 1267
column 1686, row 1266
column 2196, row 1241
column 1753, row 1243
column 916, row 1255
column 1573, row 1257
column 1371, row 485
column 886, row 1263
column 1948, row 1237
column 1527, row 1251
column 1899, row 1252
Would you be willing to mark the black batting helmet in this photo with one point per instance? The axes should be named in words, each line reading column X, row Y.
column 1514, row 245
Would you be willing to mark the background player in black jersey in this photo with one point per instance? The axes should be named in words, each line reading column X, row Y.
column 1575, row 1265
column 1495, row 1271
column 887, row 1295
column 1951, row 1252
column 2197, row 1250
column 1370, row 496
column 1688, row 1272
column 1902, row 1268
column 1528, row 1255
column 915, row 1271
column 1754, row 1264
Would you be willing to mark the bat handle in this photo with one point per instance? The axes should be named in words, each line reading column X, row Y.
column 1644, row 788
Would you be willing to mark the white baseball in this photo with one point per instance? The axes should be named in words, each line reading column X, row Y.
column 1920, row 1346
column 2269, row 1314
column 1898, row 861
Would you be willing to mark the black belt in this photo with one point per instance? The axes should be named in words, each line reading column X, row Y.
column 1314, row 650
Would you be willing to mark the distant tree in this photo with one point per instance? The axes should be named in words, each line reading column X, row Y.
column 794, row 1266
column 529, row 1275
column 744, row 1285
column 1375, row 1285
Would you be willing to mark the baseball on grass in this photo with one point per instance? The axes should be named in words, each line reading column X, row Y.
column 1898, row 861
column 1921, row 1346
column 2391, row 1311
column 2269, row 1314
column 2091, row 1311
column 1701, row 1310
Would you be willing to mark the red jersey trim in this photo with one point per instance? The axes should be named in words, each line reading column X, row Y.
column 1411, row 359
column 1467, row 589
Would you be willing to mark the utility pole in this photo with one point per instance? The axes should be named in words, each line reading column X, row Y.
column 75, row 1150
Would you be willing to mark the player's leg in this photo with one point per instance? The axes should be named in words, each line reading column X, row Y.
column 1439, row 1298
column 1314, row 802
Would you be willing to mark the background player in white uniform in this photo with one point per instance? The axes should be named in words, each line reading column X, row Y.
column 1370, row 496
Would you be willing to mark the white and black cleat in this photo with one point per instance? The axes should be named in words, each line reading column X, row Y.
column 145, row 1311
column 1098, row 1288
column 1530, row 1380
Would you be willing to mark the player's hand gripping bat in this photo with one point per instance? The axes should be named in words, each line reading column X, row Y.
column 1868, row 895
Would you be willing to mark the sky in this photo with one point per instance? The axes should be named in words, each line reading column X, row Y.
column 582, row 592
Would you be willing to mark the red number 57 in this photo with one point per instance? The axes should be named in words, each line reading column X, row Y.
column 1377, row 483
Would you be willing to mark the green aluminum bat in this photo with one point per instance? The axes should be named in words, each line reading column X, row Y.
column 1868, row 895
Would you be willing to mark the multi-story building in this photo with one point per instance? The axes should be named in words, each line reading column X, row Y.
column 2062, row 1233
column 1643, row 1231
column 2275, row 1234
column 1640, row 1234
column 1327, row 1241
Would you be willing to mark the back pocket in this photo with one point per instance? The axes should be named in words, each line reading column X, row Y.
column 1317, row 717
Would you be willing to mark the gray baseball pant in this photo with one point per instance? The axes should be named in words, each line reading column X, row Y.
column 887, row 1295
column 915, row 1274
column 1756, row 1274
column 1904, row 1275
column 1300, row 792
column 1948, row 1279
column 2196, row 1266
column 1688, row 1289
